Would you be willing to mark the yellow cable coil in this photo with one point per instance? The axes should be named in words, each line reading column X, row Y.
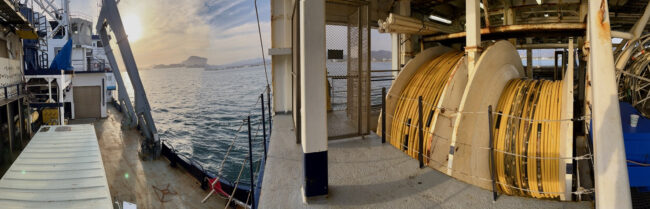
column 527, row 151
column 429, row 82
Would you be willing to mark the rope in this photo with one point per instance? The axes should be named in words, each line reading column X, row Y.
column 223, row 161
column 259, row 31
column 638, row 163
column 587, row 156
column 241, row 170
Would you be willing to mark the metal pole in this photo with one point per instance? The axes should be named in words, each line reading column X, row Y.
column 610, row 168
column 420, row 134
column 268, row 104
column 263, row 125
column 250, row 161
column 492, row 165
column 383, row 115
column 10, row 127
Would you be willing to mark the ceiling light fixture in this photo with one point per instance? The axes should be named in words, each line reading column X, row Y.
column 439, row 19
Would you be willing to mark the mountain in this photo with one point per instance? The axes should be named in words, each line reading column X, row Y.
column 190, row 62
column 239, row 64
column 381, row 55
column 195, row 62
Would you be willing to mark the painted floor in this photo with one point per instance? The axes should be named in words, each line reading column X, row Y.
column 364, row 173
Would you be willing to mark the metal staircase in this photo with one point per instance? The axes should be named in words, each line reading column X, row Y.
column 40, row 23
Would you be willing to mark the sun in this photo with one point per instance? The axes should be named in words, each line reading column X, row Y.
column 133, row 27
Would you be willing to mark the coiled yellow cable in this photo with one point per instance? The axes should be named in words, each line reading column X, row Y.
column 527, row 138
column 429, row 82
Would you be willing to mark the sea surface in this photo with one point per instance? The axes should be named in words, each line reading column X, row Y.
column 201, row 113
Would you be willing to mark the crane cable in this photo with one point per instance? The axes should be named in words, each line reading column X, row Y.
column 429, row 82
column 534, row 168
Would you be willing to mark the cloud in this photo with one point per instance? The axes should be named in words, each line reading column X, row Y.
column 224, row 31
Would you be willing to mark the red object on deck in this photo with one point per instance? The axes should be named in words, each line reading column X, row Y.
column 217, row 187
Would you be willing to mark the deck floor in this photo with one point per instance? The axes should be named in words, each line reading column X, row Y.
column 363, row 173
column 134, row 180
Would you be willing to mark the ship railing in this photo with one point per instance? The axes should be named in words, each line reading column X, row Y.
column 7, row 90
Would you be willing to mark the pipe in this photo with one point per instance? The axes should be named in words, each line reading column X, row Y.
column 544, row 46
column 623, row 35
column 514, row 28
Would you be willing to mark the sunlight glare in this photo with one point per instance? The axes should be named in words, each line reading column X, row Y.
column 133, row 27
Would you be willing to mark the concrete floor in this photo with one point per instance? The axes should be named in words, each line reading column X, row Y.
column 133, row 180
column 338, row 124
column 363, row 173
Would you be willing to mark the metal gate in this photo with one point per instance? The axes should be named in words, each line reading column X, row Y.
column 348, row 68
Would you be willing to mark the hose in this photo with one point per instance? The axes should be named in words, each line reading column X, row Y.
column 428, row 82
column 527, row 152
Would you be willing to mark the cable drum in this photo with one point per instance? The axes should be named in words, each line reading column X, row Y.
column 527, row 152
column 429, row 83
column 529, row 141
column 634, row 79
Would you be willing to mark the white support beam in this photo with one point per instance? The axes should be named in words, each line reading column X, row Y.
column 406, row 45
column 312, row 97
column 610, row 167
column 529, row 59
column 281, row 67
column 395, row 63
column 623, row 35
column 472, row 50
column 473, row 31
column 401, row 47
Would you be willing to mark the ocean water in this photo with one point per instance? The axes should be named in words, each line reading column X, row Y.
column 199, row 113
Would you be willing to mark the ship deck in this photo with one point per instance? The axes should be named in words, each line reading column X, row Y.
column 149, row 184
column 364, row 173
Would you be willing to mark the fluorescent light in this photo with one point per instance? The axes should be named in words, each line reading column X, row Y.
column 539, row 2
column 480, row 4
column 440, row 19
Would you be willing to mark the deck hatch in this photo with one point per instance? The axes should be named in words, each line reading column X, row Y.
column 60, row 169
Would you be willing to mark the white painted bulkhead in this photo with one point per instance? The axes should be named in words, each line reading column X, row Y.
column 98, row 79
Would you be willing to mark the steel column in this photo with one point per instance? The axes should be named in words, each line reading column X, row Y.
column 110, row 14
column 263, row 124
column 610, row 167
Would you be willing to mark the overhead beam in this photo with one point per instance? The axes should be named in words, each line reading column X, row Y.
column 513, row 30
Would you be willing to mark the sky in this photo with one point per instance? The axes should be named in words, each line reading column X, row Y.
column 224, row 31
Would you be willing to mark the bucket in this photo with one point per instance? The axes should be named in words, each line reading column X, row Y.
column 634, row 120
